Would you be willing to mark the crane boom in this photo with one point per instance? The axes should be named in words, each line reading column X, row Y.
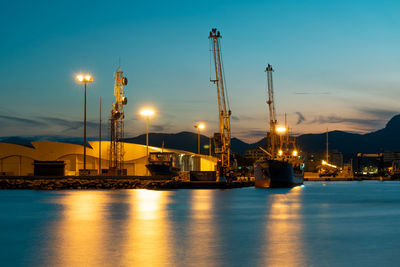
column 222, row 139
column 272, row 116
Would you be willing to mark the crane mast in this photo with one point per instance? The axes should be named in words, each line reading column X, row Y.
column 272, row 144
column 222, row 139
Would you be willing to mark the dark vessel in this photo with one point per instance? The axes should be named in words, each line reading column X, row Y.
column 277, row 173
column 162, row 164
column 282, row 165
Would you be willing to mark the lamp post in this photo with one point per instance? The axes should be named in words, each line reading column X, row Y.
column 199, row 126
column 147, row 113
column 85, row 79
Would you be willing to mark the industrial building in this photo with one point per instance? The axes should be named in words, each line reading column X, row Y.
column 314, row 159
column 19, row 160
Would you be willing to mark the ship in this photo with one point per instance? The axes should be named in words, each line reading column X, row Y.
column 275, row 173
column 162, row 164
column 282, row 165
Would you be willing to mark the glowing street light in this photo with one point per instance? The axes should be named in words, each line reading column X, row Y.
column 199, row 127
column 147, row 113
column 280, row 129
column 84, row 78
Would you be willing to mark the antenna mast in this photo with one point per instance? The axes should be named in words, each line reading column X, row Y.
column 117, row 124
column 222, row 139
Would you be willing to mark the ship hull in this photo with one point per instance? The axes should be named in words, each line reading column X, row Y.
column 275, row 174
column 161, row 170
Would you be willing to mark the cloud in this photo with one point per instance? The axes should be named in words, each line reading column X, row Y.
column 300, row 118
column 42, row 125
column 69, row 125
column 379, row 113
column 311, row 93
column 235, row 118
column 247, row 118
column 337, row 119
column 257, row 133
column 14, row 119
column 159, row 128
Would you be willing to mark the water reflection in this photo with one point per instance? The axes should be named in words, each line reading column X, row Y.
column 146, row 236
column 79, row 235
column 283, row 237
column 203, row 230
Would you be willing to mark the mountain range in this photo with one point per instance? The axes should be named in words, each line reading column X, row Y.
column 387, row 138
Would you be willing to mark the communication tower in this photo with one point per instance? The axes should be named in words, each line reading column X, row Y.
column 117, row 124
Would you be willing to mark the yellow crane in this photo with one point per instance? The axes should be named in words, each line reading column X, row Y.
column 272, row 140
column 222, row 140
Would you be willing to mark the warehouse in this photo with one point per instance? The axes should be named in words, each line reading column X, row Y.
column 19, row 160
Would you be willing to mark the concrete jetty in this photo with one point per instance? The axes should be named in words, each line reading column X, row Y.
column 100, row 182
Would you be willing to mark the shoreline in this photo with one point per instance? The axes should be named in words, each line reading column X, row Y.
column 112, row 183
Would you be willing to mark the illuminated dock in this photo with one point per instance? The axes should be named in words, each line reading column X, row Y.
column 101, row 182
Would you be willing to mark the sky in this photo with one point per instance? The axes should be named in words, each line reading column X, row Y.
column 336, row 64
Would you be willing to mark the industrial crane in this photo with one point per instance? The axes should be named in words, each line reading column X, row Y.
column 272, row 144
column 222, row 140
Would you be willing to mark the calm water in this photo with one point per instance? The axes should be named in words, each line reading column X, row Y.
column 320, row 224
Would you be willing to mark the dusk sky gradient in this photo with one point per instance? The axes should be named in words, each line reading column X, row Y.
column 337, row 64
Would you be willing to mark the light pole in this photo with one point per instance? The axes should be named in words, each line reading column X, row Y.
column 199, row 126
column 210, row 147
column 147, row 113
column 84, row 79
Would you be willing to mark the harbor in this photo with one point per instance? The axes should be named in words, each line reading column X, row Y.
column 199, row 133
column 279, row 159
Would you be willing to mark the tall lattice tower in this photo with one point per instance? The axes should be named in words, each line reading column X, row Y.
column 117, row 124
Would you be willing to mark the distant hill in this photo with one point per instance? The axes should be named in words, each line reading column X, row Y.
column 387, row 138
column 186, row 141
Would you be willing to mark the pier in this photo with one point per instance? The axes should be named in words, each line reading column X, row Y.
column 101, row 182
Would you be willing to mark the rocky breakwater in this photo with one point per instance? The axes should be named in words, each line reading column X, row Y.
column 107, row 183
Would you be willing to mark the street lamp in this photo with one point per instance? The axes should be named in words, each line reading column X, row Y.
column 147, row 113
column 84, row 78
column 199, row 126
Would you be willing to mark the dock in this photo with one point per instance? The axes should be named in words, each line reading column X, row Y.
column 101, row 182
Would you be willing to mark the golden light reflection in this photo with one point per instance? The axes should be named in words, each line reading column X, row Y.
column 148, row 204
column 79, row 235
column 283, row 236
column 202, row 204
column 203, row 233
column 147, row 230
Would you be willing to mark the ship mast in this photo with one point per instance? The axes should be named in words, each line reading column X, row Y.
column 272, row 140
column 327, row 146
column 222, row 139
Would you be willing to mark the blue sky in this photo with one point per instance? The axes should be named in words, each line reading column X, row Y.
column 336, row 63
